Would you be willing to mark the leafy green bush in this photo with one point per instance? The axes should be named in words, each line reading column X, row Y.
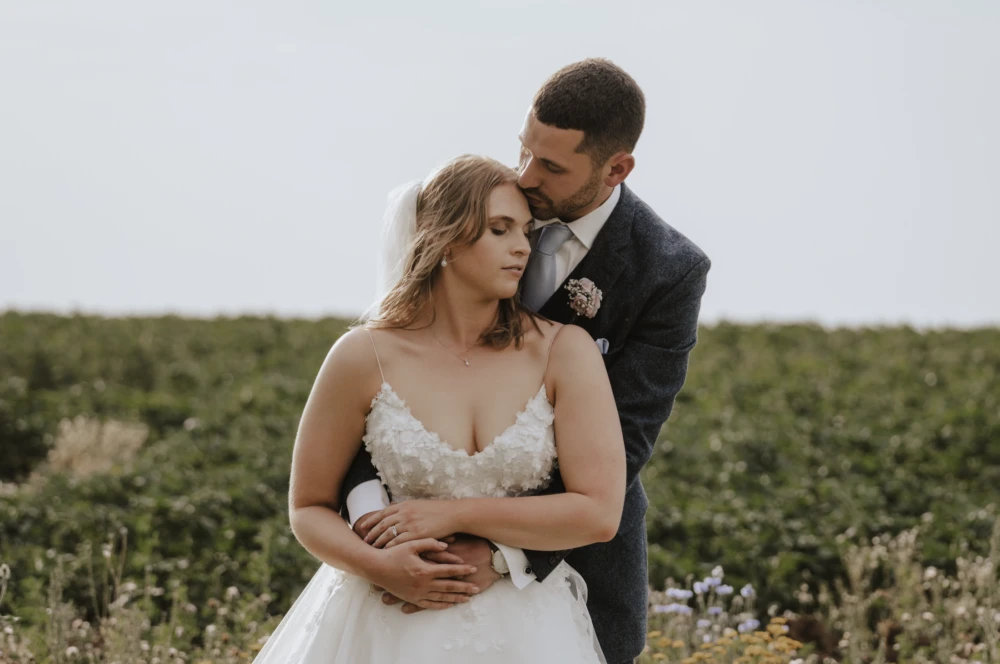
column 786, row 439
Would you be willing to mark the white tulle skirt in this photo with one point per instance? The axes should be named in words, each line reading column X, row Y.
column 338, row 619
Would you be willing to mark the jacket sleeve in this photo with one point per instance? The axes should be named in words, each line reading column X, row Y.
column 646, row 374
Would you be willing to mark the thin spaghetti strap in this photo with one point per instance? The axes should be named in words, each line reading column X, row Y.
column 549, row 354
column 376, row 353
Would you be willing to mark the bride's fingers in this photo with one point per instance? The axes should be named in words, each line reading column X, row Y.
column 388, row 536
column 450, row 572
column 454, row 598
column 380, row 528
column 402, row 539
column 452, row 586
column 444, row 557
column 374, row 532
column 427, row 545
column 363, row 524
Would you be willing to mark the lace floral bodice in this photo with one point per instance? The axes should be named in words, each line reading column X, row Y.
column 416, row 463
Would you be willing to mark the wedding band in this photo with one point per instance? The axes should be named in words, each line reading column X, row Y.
column 395, row 533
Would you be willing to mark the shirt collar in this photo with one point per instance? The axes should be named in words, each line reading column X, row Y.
column 589, row 225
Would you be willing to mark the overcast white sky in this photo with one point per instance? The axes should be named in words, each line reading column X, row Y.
column 839, row 161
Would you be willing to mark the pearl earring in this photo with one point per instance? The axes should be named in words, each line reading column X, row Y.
column 444, row 261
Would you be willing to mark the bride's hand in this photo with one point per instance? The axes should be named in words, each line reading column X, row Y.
column 410, row 520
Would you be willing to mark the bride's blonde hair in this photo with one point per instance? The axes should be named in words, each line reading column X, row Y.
column 451, row 209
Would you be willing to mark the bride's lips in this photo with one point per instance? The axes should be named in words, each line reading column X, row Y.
column 514, row 269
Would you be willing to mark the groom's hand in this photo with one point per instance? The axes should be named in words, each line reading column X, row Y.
column 464, row 549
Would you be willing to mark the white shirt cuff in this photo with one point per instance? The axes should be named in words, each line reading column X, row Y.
column 520, row 569
column 366, row 497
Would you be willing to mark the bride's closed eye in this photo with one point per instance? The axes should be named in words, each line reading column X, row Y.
column 503, row 231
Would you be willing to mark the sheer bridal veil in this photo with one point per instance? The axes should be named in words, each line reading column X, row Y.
column 399, row 225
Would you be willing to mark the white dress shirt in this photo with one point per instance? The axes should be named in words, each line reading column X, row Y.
column 371, row 496
column 585, row 229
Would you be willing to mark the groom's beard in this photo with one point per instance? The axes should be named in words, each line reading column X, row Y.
column 566, row 210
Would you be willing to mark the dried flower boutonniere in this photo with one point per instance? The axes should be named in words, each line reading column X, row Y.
column 584, row 297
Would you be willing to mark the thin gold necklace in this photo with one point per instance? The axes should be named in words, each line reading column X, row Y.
column 453, row 352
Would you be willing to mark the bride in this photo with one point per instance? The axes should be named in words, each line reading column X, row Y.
column 465, row 401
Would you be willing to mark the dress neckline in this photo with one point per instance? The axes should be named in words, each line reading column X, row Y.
column 387, row 388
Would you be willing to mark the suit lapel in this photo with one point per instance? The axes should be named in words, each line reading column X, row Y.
column 603, row 264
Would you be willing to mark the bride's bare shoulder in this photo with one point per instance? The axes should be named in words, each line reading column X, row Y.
column 539, row 332
column 352, row 359
column 574, row 350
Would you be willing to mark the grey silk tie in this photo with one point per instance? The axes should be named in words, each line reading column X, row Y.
column 539, row 280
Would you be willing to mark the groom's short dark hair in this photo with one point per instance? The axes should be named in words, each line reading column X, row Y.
column 597, row 97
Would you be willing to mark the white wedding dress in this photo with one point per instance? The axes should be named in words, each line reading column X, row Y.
column 338, row 619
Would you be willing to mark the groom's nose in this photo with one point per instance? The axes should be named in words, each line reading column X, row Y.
column 528, row 178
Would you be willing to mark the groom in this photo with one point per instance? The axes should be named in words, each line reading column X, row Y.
column 576, row 152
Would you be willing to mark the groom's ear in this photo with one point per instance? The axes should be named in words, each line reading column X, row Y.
column 621, row 165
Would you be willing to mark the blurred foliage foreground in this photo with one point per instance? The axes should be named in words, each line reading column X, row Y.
column 838, row 486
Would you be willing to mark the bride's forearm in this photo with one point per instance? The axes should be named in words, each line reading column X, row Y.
column 324, row 534
column 542, row 523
